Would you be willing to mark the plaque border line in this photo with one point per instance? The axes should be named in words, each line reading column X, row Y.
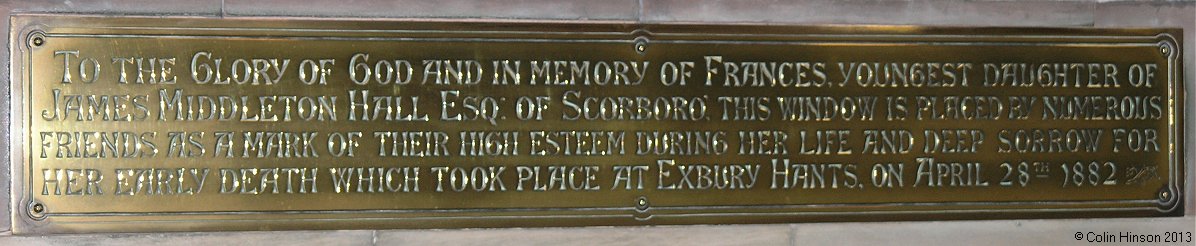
column 1146, row 205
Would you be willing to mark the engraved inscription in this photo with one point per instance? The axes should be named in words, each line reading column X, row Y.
column 127, row 124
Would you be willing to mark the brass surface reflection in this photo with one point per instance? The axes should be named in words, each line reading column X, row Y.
column 181, row 124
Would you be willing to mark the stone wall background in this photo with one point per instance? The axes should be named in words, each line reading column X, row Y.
column 1018, row 13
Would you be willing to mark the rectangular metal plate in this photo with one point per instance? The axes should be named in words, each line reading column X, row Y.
column 180, row 124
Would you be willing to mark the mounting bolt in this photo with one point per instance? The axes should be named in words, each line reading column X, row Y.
column 1164, row 49
column 1165, row 195
column 641, row 204
column 37, row 210
column 641, row 45
column 36, row 39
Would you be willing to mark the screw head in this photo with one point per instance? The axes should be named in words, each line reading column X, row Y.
column 641, row 204
column 641, row 45
column 37, row 211
column 38, row 41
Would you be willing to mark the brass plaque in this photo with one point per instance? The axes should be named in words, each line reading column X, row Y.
column 123, row 124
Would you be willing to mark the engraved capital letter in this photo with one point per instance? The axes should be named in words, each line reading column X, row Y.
column 66, row 61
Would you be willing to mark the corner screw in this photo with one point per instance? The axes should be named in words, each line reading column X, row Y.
column 1165, row 195
column 38, row 41
column 1164, row 49
column 37, row 211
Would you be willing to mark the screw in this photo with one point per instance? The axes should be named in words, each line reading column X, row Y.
column 641, row 204
column 1165, row 195
column 38, row 41
column 37, row 211
column 641, row 46
column 1163, row 49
